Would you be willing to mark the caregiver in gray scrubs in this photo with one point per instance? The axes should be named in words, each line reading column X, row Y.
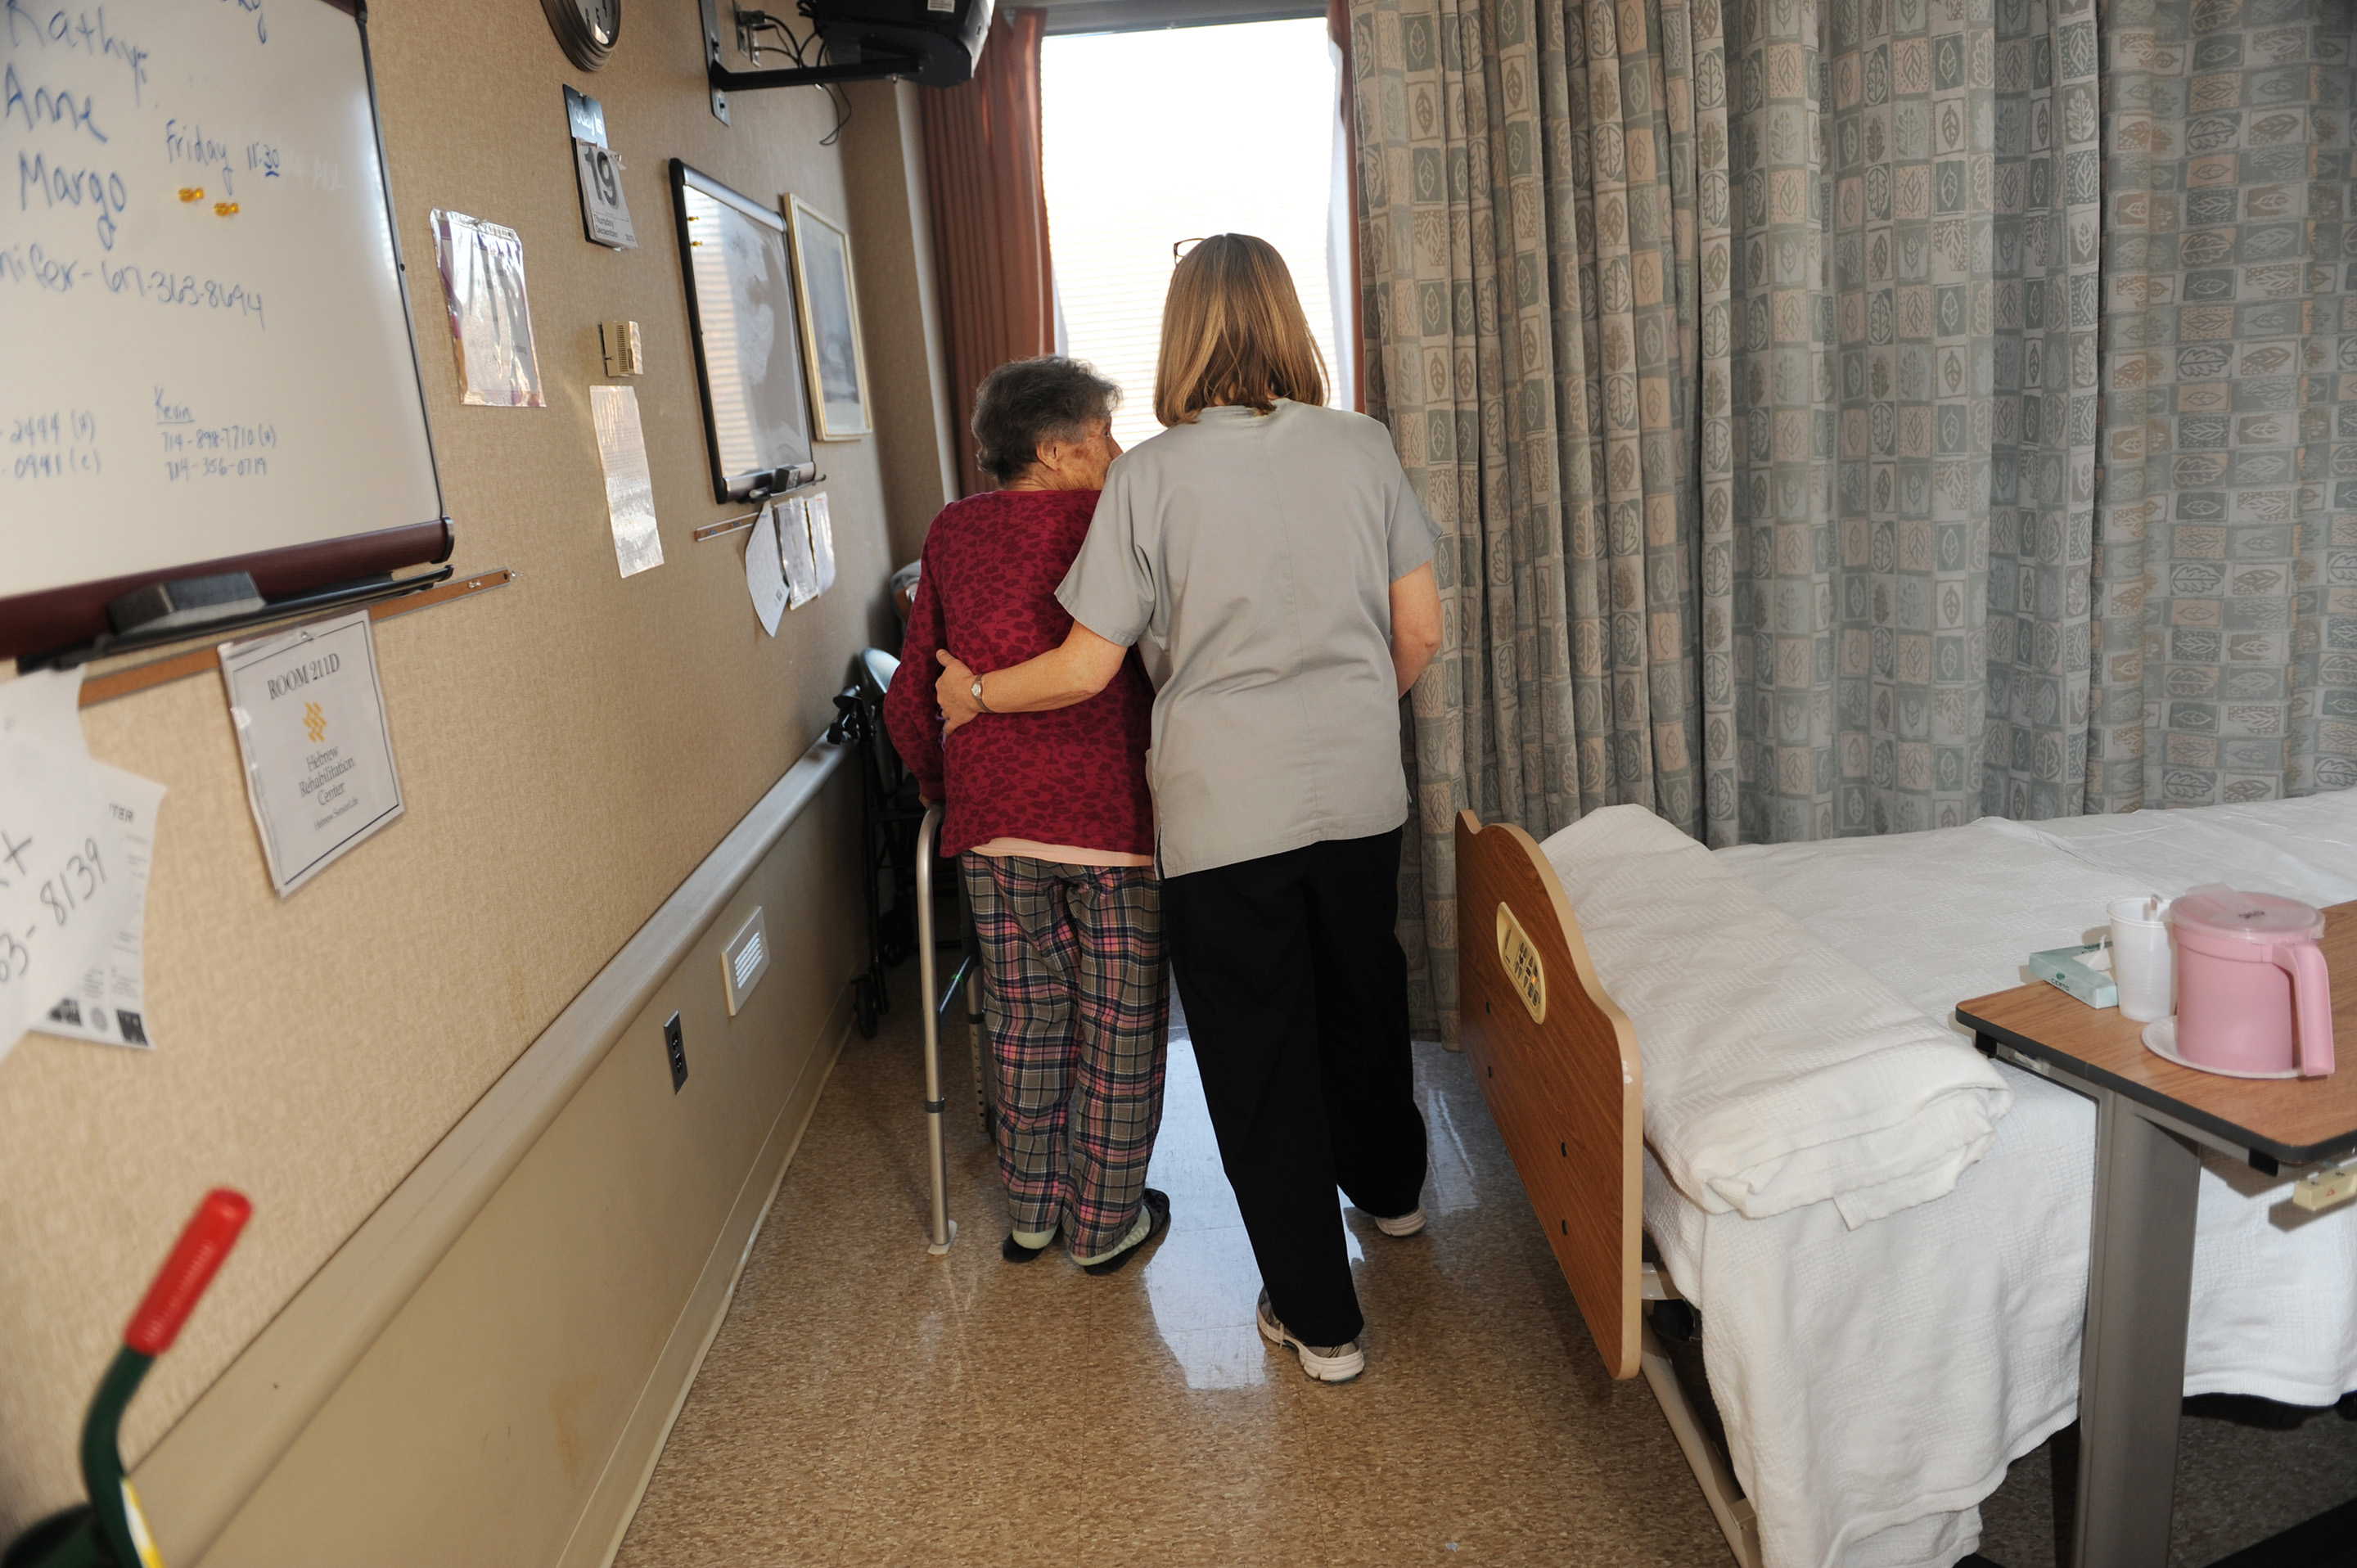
column 1272, row 564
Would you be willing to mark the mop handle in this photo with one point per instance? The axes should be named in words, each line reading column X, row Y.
column 114, row 1507
column 211, row 1232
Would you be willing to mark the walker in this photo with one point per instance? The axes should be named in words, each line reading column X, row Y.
column 966, row 980
column 910, row 861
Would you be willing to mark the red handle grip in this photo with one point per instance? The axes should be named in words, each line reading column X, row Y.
column 211, row 1232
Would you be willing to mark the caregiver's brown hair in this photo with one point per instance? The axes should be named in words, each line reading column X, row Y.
column 1233, row 333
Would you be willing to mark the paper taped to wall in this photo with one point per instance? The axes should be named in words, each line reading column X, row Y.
column 109, row 1002
column 765, row 575
column 309, row 714
column 62, row 876
column 44, row 706
column 822, row 534
column 794, row 542
column 630, row 485
column 490, row 317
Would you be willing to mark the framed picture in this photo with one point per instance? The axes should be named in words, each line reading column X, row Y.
column 830, row 313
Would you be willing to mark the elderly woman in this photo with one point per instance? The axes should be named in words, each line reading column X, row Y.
column 1269, row 558
column 1053, row 828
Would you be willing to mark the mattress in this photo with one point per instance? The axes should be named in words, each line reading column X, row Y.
column 1876, row 1382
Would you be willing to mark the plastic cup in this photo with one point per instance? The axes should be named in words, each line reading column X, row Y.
column 2143, row 966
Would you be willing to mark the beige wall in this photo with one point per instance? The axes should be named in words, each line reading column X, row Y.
column 512, row 1411
column 884, row 163
column 571, row 746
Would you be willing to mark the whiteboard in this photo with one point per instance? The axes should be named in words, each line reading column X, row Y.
column 207, row 342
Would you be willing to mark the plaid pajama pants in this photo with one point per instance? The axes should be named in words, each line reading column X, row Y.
column 1077, row 1007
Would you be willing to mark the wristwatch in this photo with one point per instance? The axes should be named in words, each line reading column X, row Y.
column 975, row 691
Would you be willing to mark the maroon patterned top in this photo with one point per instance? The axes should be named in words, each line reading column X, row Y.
column 987, row 593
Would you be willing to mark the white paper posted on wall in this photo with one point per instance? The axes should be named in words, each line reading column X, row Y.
column 63, row 879
column 490, row 316
column 822, row 535
column 109, row 1004
column 309, row 714
column 765, row 576
column 630, row 485
column 794, row 546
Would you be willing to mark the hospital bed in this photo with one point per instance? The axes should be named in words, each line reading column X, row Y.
column 1876, row 1371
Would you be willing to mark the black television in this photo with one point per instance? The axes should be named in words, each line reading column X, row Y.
column 933, row 43
column 748, row 357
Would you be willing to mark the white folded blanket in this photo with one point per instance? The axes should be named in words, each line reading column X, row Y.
column 1778, row 1073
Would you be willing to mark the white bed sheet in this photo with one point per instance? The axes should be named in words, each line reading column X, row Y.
column 1876, row 1383
column 2304, row 849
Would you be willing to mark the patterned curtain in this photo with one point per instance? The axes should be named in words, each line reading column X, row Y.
column 1544, row 202
column 1756, row 376
column 1915, row 388
column 2228, row 580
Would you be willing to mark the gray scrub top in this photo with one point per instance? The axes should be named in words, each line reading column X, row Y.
column 1250, row 558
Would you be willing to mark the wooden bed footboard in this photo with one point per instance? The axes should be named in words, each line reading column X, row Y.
column 1558, row 1063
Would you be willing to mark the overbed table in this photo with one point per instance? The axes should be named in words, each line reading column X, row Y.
column 2150, row 1115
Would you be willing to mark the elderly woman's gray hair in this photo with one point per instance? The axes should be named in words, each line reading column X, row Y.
column 1025, row 402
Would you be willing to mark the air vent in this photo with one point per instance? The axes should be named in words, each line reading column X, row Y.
column 744, row 961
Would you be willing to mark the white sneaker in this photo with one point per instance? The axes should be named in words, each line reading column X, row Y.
column 1327, row 1363
column 1407, row 1224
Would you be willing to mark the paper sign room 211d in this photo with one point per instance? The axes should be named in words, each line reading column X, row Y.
column 302, row 675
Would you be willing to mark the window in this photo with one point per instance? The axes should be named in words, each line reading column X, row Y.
column 1160, row 136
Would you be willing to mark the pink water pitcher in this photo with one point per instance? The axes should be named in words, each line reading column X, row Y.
column 2253, row 993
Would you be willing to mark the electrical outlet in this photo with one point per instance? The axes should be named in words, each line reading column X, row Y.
column 675, row 1046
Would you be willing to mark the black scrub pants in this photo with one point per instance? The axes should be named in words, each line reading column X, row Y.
column 1296, row 993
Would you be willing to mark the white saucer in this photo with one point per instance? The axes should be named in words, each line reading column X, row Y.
column 2160, row 1039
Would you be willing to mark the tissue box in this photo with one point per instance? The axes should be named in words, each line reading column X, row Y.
column 2068, row 968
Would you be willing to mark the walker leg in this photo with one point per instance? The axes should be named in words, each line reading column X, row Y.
column 944, row 1229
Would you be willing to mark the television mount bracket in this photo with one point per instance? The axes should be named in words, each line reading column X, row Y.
column 723, row 81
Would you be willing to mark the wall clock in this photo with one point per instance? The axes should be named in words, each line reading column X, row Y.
column 585, row 28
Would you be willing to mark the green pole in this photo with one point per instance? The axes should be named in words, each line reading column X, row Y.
column 114, row 1533
column 102, row 1461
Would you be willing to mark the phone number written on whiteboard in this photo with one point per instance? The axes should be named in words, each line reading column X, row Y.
column 31, row 264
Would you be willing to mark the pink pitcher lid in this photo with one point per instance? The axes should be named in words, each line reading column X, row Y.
column 2222, row 911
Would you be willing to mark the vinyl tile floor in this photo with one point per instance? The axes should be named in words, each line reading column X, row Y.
column 866, row 1402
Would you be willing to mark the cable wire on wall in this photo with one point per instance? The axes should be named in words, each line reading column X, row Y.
column 750, row 24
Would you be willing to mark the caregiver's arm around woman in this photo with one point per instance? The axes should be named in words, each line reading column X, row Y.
column 1086, row 662
column 1083, row 665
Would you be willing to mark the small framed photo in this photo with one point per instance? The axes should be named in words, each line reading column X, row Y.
column 829, row 316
